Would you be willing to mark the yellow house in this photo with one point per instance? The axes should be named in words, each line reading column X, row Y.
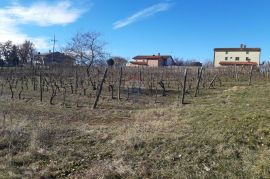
column 237, row 56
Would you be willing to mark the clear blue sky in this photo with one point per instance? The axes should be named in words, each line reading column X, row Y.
column 183, row 28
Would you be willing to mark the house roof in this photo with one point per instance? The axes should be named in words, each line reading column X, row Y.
column 152, row 57
column 237, row 49
column 237, row 63
column 58, row 57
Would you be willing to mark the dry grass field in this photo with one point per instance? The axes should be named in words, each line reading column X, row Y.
column 223, row 133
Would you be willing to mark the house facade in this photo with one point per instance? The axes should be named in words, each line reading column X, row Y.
column 237, row 56
column 152, row 60
column 54, row 58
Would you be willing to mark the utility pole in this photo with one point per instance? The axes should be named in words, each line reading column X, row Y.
column 54, row 41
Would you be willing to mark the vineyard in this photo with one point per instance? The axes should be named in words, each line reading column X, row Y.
column 124, row 122
column 80, row 87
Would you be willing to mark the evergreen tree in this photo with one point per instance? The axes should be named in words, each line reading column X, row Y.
column 13, row 59
column 2, row 63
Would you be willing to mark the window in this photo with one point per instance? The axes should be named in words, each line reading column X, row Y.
column 231, row 58
column 237, row 58
column 247, row 59
column 226, row 58
column 226, row 52
column 247, row 52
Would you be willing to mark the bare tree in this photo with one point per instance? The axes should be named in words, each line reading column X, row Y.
column 186, row 62
column 208, row 63
column 178, row 61
column 119, row 61
column 190, row 62
column 88, row 49
column 6, row 49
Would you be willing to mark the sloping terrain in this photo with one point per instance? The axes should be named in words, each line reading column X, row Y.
column 225, row 134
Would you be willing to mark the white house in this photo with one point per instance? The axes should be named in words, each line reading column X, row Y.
column 237, row 56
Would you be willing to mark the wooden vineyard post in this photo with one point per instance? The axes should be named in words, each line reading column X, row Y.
column 128, row 93
column 140, row 78
column 76, row 81
column 156, row 94
column 151, row 84
column 111, row 90
column 11, row 90
column 20, row 93
column 250, row 75
column 213, row 81
column 64, row 95
column 53, row 93
column 198, row 82
column 40, row 87
column 100, row 89
column 119, row 84
column 184, row 87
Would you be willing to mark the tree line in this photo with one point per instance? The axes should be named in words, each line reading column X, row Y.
column 14, row 55
column 86, row 49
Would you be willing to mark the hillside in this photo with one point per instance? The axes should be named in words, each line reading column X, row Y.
column 225, row 134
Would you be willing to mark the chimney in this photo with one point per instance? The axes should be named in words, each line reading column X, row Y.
column 241, row 46
column 245, row 46
column 158, row 54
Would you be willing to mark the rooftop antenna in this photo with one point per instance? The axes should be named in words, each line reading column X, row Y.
column 54, row 41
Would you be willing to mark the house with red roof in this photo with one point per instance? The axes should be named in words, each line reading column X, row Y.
column 152, row 60
column 237, row 56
